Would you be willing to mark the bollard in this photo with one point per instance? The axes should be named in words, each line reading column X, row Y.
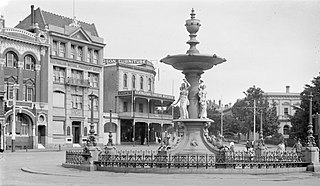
column 26, row 148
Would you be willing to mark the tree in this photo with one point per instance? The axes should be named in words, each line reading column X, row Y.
column 243, row 112
column 300, row 120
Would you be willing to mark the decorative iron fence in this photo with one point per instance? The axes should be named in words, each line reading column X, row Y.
column 222, row 160
column 75, row 157
column 225, row 159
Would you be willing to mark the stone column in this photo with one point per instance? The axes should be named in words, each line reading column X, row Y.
column 193, row 77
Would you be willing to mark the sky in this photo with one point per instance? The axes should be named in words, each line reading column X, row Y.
column 269, row 44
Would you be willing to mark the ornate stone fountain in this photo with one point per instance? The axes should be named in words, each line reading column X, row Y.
column 193, row 64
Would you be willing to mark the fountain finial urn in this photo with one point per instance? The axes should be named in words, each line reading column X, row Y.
column 192, row 26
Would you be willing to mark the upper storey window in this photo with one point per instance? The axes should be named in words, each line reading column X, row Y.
column 11, row 60
column 149, row 84
column 55, row 48
column 93, row 79
column 29, row 62
column 125, row 80
column 72, row 52
column 141, row 83
column 59, row 74
column 62, row 49
column 133, row 81
column 95, row 57
column 89, row 56
column 80, row 54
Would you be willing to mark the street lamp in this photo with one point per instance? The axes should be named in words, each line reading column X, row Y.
column 310, row 138
column 13, row 138
column 91, row 139
column 110, row 143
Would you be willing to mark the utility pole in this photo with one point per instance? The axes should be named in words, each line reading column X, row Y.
column 254, row 120
column 13, row 138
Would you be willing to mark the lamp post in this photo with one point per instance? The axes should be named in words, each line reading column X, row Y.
column 91, row 140
column 13, row 138
column 110, row 143
column 261, row 130
column 310, row 138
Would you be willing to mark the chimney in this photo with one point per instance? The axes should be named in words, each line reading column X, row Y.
column 32, row 15
column 2, row 22
column 287, row 89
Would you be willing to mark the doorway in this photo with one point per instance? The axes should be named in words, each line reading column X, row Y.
column 41, row 134
column 76, row 131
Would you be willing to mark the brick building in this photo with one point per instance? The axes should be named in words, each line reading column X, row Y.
column 23, row 83
column 72, row 72
column 139, row 114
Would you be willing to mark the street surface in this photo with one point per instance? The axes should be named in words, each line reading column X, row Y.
column 44, row 168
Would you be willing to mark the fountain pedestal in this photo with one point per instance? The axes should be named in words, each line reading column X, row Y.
column 193, row 142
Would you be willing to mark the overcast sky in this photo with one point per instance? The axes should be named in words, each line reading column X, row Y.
column 269, row 44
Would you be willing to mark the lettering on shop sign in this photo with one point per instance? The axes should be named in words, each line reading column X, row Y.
column 126, row 61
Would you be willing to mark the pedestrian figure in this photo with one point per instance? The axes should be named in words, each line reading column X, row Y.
column 298, row 148
column 281, row 147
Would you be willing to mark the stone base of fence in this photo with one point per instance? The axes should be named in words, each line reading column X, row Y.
column 84, row 167
column 312, row 156
column 200, row 170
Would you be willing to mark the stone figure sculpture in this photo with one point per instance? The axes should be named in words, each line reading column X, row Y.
column 183, row 99
column 202, row 100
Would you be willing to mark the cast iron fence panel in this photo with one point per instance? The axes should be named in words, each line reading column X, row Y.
column 74, row 157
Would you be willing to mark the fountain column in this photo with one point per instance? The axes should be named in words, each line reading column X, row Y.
column 193, row 77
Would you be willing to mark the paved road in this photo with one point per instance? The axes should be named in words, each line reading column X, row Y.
column 47, row 170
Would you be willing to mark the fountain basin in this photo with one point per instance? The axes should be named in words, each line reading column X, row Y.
column 192, row 61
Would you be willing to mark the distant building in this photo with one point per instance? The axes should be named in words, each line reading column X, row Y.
column 285, row 103
column 23, row 83
column 72, row 70
column 139, row 114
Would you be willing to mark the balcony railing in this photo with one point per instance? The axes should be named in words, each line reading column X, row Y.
column 145, row 115
column 146, row 94
column 78, row 82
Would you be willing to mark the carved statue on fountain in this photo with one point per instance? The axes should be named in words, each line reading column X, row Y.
column 202, row 100
column 183, row 99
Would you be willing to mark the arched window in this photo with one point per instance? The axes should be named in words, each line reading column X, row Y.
column 149, row 84
column 85, row 131
column 11, row 60
column 286, row 129
column 133, row 81
column 125, row 80
column 141, row 83
column 68, row 131
column 29, row 62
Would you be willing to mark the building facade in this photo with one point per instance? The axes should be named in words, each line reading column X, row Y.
column 73, row 74
column 23, row 72
column 285, row 102
column 139, row 115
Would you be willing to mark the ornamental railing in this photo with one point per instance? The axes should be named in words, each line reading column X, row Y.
column 224, row 159
column 75, row 157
